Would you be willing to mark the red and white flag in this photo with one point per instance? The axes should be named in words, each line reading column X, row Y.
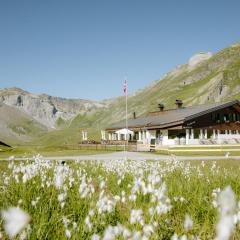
column 125, row 87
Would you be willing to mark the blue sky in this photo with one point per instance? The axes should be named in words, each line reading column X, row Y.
column 84, row 49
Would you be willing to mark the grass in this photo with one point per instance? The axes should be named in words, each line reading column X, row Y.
column 51, row 151
column 29, row 151
column 189, row 190
column 196, row 153
column 200, row 151
column 201, row 147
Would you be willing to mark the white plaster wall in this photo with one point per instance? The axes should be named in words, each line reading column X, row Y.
column 228, row 136
column 193, row 142
column 168, row 142
column 152, row 134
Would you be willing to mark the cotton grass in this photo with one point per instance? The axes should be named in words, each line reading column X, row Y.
column 120, row 200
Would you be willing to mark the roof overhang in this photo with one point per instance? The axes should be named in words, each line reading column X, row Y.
column 180, row 122
column 235, row 103
column 149, row 126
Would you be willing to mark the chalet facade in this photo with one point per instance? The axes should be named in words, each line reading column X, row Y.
column 217, row 123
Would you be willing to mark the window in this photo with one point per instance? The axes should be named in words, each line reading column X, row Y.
column 234, row 117
column 217, row 117
column 238, row 117
column 226, row 117
column 221, row 117
column 213, row 117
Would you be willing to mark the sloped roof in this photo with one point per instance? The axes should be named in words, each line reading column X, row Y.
column 4, row 144
column 173, row 116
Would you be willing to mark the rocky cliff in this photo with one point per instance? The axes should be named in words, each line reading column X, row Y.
column 47, row 109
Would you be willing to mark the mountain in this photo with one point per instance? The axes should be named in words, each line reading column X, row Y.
column 46, row 109
column 25, row 116
column 16, row 126
column 206, row 78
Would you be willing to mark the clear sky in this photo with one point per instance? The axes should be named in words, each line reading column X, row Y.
column 83, row 49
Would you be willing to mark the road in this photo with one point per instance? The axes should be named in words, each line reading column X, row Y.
column 133, row 156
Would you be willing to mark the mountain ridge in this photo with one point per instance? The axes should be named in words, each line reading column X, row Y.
column 45, row 108
column 206, row 78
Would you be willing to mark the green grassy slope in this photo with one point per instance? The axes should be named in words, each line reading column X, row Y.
column 198, row 85
column 17, row 127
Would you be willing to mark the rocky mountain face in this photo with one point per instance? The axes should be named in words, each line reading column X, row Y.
column 47, row 109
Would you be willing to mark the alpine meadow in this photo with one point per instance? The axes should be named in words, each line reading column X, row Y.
column 119, row 120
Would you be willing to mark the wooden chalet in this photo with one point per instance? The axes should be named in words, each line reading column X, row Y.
column 217, row 123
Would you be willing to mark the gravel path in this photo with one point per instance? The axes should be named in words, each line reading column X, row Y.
column 133, row 156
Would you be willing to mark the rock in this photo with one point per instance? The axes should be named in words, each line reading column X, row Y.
column 47, row 109
column 198, row 58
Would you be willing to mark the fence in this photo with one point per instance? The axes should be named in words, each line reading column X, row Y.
column 102, row 147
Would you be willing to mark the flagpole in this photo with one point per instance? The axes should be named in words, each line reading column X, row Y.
column 126, row 108
column 126, row 122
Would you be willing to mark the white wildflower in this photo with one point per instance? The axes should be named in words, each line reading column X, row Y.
column 20, row 201
column 136, row 235
column 119, row 181
column 61, row 197
column 95, row 237
column 88, row 223
column 183, row 237
column 74, row 225
column 65, row 221
column 148, row 230
column 188, row 223
column 227, row 207
column 15, row 220
column 102, row 184
column 174, row 237
column 68, row 233
column 136, row 216
column 109, row 234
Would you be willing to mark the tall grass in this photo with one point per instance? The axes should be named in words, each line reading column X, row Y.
column 79, row 199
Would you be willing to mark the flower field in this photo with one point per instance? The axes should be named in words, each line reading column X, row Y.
column 107, row 200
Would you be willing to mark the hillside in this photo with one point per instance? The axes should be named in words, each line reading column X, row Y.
column 212, row 80
column 206, row 78
column 17, row 127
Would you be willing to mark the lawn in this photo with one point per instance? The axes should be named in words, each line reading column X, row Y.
column 29, row 151
column 196, row 153
column 200, row 151
column 123, row 199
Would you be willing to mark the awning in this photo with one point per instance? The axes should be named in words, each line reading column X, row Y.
column 125, row 131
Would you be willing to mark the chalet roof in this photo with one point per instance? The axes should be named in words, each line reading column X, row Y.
column 173, row 116
column 4, row 144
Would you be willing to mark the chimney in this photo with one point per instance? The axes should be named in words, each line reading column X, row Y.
column 179, row 103
column 161, row 107
column 134, row 115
